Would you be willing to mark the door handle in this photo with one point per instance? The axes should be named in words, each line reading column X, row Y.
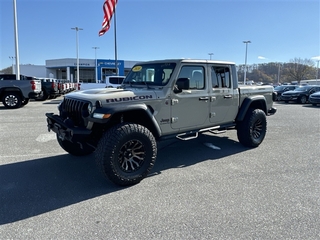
column 203, row 98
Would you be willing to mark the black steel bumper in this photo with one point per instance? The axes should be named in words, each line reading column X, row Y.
column 65, row 129
column 272, row 111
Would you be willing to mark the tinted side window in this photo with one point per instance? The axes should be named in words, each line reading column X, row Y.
column 195, row 74
column 115, row 80
column 220, row 77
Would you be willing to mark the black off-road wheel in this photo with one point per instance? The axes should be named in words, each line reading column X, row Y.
column 126, row 153
column 75, row 149
column 12, row 100
column 252, row 130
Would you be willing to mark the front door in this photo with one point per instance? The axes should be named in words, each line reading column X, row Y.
column 190, row 108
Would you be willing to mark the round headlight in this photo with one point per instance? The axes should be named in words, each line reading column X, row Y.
column 90, row 108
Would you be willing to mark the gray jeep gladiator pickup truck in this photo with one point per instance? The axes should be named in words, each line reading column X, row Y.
column 16, row 93
column 159, row 100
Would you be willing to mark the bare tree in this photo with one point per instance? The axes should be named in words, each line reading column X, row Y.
column 299, row 69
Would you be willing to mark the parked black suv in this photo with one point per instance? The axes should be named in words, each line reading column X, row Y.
column 300, row 94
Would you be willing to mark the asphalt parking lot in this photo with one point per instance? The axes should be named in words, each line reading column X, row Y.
column 194, row 191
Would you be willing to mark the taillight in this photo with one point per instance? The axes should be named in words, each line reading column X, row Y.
column 79, row 84
column 52, row 85
column 33, row 85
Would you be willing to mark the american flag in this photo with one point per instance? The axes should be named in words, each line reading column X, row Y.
column 108, row 10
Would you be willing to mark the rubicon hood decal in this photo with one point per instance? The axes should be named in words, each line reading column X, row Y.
column 114, row 95
column 125, row 99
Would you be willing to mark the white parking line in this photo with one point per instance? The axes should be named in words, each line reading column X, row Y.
column 46, row 137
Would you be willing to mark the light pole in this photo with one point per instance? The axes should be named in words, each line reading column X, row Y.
column 77, row 48
column 317, row 59
column 12, row 59
column 96, row 64
column 210, row 54
column 317, row 71
column 245, row 62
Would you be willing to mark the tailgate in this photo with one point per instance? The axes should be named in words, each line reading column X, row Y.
column 37, row 84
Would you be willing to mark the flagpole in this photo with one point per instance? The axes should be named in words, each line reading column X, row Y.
column 115, row 42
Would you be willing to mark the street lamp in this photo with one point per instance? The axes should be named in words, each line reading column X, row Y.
column 77, row 48
column 245, row 62
column 96, row 64
column 317, row 59
column 317, row 71
column 210, row 54
column 12, row 59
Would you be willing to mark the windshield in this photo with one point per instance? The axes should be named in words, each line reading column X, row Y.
column 279, row 87
column 155, row 74
column 302, row 89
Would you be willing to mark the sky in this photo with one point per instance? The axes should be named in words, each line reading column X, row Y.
column 279, row 30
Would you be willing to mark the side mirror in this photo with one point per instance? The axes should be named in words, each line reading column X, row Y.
column 181, row 84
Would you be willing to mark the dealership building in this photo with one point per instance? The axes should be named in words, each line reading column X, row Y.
column 90, row 70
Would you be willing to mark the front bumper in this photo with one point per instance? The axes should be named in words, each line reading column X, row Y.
column 314, row 100
column 272, row 111
column 65, row 129
column 34, row 95
column 289, row 98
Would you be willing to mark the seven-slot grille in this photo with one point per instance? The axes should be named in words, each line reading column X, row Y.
column 75, row 110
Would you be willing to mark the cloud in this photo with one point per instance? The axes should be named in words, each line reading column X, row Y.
column 317, row 58
column 260, row 57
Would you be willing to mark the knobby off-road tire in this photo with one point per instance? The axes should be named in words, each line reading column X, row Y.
column 252, row 130
column 126, row 153
column 75, row 148
column 12, row 100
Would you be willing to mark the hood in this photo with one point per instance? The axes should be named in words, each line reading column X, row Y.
column 113, row 95
column 316, row 94
column 292, row 92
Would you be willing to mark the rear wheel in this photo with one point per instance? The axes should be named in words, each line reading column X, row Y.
column 12, row 100
column 126, row 153
column 76, row 149
column 252, row 130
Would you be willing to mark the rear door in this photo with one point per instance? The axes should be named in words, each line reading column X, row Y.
column 224, row 98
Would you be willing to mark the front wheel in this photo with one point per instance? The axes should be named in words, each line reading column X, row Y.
column 126, row 153
column 12, row 100
column 76, row 149
column 252, row 130
column 303, row 99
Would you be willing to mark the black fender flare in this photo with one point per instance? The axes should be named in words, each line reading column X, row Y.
column 258, row 101
column 119, row 109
